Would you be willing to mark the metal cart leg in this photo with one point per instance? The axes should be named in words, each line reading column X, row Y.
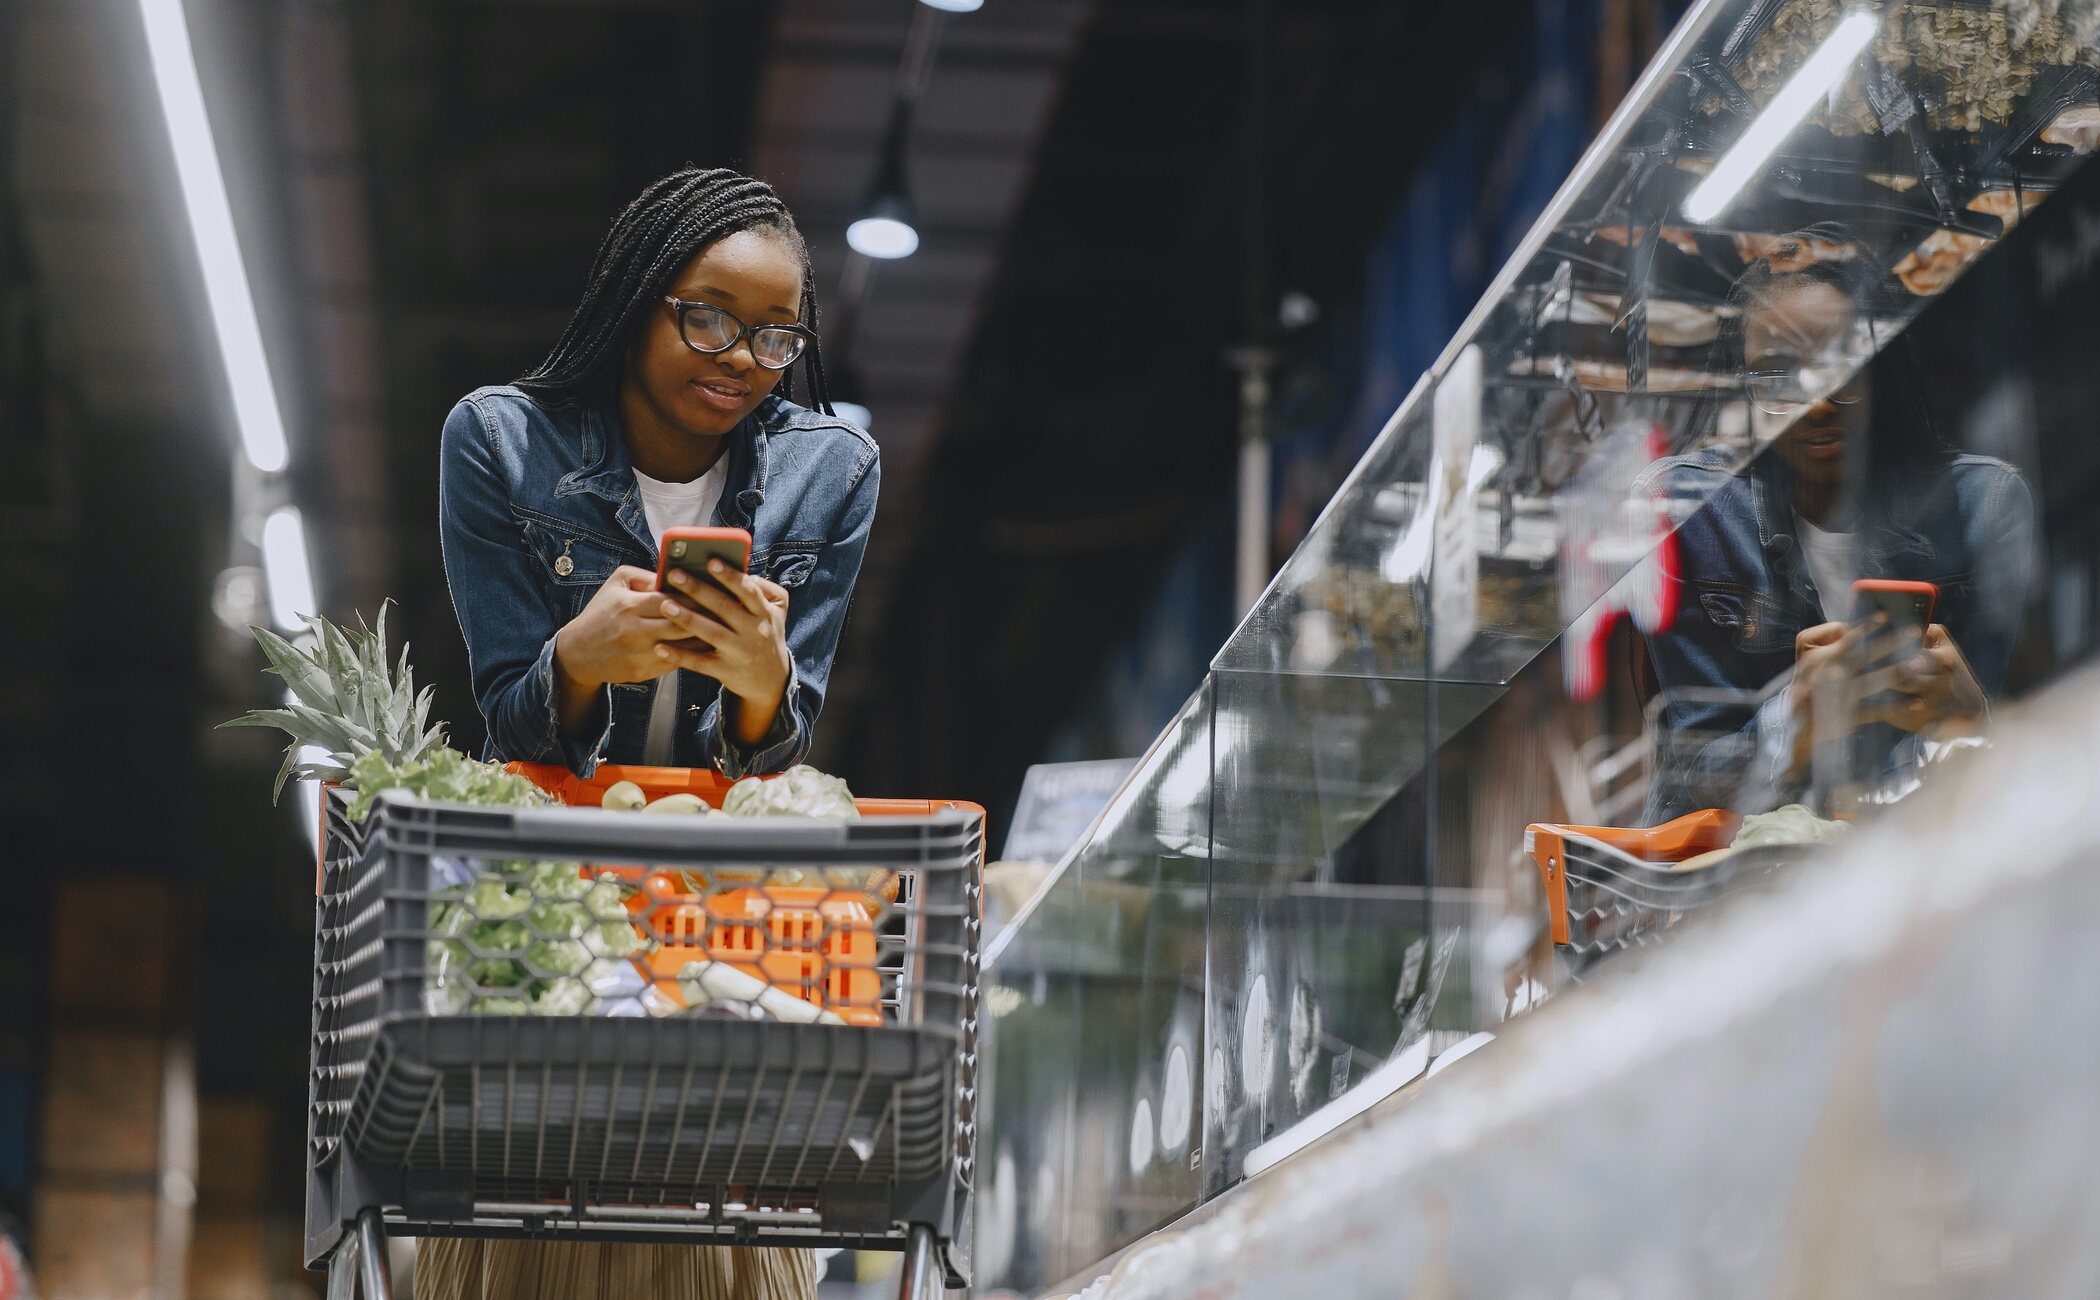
column 373, row 1272
column 342, row 1269
column 924, row 1278
column 360, row 1263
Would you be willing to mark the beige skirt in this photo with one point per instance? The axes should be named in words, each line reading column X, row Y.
column 454, row 1268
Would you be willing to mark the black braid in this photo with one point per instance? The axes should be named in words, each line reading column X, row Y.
column 650, row 242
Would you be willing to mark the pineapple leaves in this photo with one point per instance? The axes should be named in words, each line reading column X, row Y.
column 366, row 715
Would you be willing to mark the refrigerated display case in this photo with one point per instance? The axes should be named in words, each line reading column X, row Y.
column 1566, row 586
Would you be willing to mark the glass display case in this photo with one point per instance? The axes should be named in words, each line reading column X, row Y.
column 1667, row 570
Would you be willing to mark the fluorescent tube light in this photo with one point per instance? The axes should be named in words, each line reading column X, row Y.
column 286, row 569
column 954, row 6
column 1817, row 78
column 211, row 228
column 854, row 411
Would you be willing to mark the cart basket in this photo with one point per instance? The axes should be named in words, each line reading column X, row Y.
column 574, row 1023
column 1611, row 887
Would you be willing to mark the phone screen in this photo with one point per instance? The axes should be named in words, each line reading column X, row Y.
column 692, row 554
column 1904, row 611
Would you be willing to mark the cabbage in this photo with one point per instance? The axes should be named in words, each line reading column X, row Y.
column 492, row 899
column 1793, row 824
column 568, row 957
column 798, row 792
column 562, row 997
column 529, row 927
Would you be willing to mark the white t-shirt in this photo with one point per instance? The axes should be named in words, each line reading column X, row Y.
column 675, row 505
column 1833, row 562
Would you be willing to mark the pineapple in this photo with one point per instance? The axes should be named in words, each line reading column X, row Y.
column 346, row 702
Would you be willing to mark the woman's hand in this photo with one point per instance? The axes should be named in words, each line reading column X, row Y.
column 738, row 637
column 1822, row 686
column 614, row 639
column 1934, row 690
column 1930, row 692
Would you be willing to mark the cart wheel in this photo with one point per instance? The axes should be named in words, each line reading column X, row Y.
column 359, row 1262
column 924, row 1277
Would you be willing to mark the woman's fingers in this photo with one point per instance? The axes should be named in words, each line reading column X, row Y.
column 1822, row 634
column 676, row 622
column 689, row 655
column 743, row 586
column 772, row 592
column 723, row 607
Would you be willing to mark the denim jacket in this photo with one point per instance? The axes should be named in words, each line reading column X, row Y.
column 1745, row 592
column 538, row 506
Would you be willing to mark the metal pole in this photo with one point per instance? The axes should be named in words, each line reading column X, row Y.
column 1253, row 358
column 1251, row 571
column 374, row 1275
column 924, row 1278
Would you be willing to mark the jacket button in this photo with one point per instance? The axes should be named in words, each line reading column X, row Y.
column 564, row 566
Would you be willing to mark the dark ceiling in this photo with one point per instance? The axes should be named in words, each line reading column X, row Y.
column 1095, row 419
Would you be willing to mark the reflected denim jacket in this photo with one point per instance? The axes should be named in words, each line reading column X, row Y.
column 1725, row 663
column 538, row 506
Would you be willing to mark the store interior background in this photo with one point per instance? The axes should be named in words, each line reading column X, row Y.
column 419, row 185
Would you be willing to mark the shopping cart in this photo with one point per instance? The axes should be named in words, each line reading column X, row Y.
column 1609, row 888
column 581, row 1025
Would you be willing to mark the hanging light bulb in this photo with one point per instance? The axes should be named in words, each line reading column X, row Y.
column 885, row 228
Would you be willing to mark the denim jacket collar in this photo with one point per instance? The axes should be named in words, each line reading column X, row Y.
column 1890, row 542
column 608, row 472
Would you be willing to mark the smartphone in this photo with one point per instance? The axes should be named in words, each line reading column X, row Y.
column 691, row 548
column 1908, row 608
column 1907, row 605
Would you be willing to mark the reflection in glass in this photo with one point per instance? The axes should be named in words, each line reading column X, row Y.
column 1777, row 684
column 1694, row 440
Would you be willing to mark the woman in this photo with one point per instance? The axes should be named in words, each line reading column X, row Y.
column 656, row 409
column 1764, row 658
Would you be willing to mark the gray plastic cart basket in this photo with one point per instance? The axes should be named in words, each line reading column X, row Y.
column 435, row 1110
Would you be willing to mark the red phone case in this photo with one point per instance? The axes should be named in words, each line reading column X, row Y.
column 1926, row 591
column 712, row 538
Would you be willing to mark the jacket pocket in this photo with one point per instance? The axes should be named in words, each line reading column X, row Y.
column 788, row 563
column 1755, row 621
column 575, row 563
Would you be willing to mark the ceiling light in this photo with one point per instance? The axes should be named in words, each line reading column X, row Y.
column 852, row 411
column 883, row 234
column 226, row 289
column 1824, row 70
column 954, row 6
column 885, row 228
column 288, row 572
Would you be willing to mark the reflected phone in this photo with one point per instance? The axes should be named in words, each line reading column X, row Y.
column 1908, row 608
column 691, row 548
column 1907, row 605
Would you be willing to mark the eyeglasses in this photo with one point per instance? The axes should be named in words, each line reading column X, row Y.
column 1786, row 391
column 707, row 328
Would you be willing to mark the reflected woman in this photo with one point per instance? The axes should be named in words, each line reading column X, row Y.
column 1766, row 700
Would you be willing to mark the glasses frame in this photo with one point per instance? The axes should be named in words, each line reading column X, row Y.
column 1846, row 393
column 680, row 306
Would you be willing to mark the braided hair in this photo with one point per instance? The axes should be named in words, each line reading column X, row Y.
column 650, row 242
